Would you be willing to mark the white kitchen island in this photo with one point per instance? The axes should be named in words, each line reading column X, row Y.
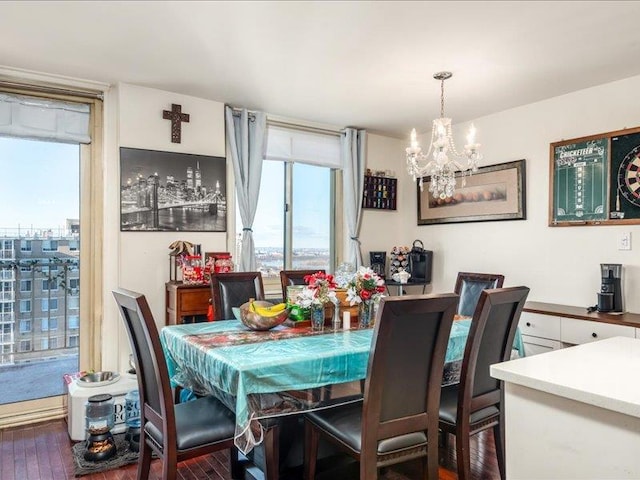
column 574, row 413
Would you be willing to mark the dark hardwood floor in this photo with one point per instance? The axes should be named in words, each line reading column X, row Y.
column 43, row 451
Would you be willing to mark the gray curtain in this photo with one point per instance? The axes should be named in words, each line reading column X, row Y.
column 353, row 153
column 246, row 142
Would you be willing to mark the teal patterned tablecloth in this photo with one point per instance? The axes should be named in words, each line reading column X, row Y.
column 226, row 359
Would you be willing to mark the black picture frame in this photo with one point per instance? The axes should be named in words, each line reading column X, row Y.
column 495, row 192
column 172, row 192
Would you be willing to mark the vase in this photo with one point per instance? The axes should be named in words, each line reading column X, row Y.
column 317, row 317
column 365, row 314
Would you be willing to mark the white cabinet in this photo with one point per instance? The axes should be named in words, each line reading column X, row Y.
column 540, row 333
column 577, row 332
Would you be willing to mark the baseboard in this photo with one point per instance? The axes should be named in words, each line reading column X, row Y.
column 15, row 419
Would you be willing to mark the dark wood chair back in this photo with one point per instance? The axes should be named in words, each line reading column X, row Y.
column 230, row 290
column 478, row 405
column 174, row 432
column 402, row 389
column 469, row 286
column 151, row 367
column 294, row 277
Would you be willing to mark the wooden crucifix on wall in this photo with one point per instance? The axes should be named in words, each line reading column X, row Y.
column 177, row 117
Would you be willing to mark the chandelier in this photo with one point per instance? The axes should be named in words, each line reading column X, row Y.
column 442, row 160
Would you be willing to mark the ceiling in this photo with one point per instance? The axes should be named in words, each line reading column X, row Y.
column 364, row 64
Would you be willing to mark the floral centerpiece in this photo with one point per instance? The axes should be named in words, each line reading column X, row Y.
column 365, row 289
column 319, row 291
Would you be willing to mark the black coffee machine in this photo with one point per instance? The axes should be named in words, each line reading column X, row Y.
column 378, row 262
column 610, row 295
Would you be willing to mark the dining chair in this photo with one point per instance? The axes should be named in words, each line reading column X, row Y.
column 232, row 289
column 397, row 420
column 469, row 286
column 173, row 432
column 476, row 403
column 294, row 277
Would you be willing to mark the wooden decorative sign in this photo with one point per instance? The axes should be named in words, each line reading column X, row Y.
column 595, row 180
column 177, row 117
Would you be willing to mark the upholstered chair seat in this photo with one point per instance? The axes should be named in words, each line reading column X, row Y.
column 198, row 422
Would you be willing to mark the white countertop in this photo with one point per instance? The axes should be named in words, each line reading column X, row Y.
column 605, row 373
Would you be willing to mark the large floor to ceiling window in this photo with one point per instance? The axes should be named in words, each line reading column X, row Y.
column 39, row 267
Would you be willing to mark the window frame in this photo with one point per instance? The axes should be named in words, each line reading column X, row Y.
column 92, row 231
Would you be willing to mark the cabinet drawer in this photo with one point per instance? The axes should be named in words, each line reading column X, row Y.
column 194, row 301
column 536, row 345
column 583, row 331
column 538, row 325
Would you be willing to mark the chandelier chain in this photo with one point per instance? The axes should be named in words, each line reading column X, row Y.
column 442, row 98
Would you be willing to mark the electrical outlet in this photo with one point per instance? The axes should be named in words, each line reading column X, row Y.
column 624, row 241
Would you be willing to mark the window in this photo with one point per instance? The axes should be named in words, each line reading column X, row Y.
column 7, row 245
column 24, row 268
column 74, row 322
column 73, row 340
column 25, row 326
column 25, row 285
column 74, row 283
column 6, row 349
column 73, row 303
column 25, row 345
column 294, row 226
column 49, row 285
column 6, row 328
column 49, row 304
column 6, row 307
column 25, row 306
column 65, row 173
column 301, row 237
column 49, row 245
column 49, row 324
column 44, row 343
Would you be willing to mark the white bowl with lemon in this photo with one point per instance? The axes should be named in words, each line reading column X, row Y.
column 262, row 315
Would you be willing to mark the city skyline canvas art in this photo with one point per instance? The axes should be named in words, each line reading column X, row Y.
column 172, row 192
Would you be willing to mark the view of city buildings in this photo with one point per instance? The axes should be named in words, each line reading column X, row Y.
column 39, row 306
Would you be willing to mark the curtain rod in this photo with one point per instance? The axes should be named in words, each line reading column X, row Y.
column 51, row 90
column 293, row 126
column 304, row 128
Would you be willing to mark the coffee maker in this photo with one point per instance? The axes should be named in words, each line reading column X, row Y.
column 610, row 295
column 378, row 262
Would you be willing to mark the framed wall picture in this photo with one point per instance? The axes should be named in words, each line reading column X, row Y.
column 595, row 180
column 168, row 191
column 495, row 192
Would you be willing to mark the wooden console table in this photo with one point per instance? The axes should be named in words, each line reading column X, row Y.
column 185, row 301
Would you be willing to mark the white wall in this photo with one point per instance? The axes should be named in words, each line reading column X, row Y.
column 142, row 258
column 559, row 264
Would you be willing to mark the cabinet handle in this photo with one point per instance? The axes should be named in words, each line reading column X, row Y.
column 528, row 324
column 594, row 335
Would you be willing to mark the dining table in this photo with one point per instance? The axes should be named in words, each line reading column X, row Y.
column 285, row 370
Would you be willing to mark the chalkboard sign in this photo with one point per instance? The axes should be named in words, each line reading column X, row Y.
column 595, row 180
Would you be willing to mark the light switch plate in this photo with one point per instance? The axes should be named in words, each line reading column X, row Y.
column 624, row 241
